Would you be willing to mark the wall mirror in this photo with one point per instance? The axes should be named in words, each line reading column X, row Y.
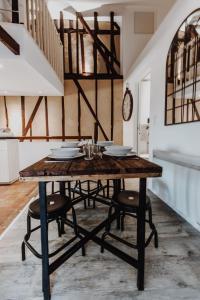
column 183, row 73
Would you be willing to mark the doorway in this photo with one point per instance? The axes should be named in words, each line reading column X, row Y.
column 144, row 116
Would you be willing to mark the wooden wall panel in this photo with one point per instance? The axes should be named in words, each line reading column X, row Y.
column 71, row 111
column 71, row 108
column 14, row 113
column 55, row 116
column 87, row 121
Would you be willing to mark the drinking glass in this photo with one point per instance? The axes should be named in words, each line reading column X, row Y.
column 88, row 151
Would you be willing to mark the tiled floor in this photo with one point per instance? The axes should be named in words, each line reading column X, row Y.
column 12, row 199
column 172, row 270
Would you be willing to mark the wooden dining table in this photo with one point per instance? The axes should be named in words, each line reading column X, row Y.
column 100, row 168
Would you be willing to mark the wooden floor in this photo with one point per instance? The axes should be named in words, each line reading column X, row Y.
column 171, row 272
column 12, row 200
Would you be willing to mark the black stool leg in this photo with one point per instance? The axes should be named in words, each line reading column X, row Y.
column 88, row 189
column 122, row 220
column 59, row 227
column 118, row 226
column 27, row 237
column 153, row 228
column 63, row 193
column 107, row 228
column 108, row 188
column 76, row 230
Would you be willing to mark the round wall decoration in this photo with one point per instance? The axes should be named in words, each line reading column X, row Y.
column 127, row 105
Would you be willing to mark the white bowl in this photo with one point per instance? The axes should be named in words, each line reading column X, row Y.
column 119, row 150
column 70, row 144
column 65, row 152
column 105, row 143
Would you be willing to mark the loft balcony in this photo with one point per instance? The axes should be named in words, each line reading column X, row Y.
column 37, row 65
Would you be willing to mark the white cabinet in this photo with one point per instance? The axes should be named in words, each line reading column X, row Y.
column 9, row 161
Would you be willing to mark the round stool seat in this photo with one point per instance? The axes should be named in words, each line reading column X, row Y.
column 130, row 199
column 56, row 205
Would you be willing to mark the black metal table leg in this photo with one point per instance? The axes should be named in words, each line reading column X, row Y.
column 44, row 241
column 62, row 188
column 117, row 189
column 63, row 193
column 141, row 234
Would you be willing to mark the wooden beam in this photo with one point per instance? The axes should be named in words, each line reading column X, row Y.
column 96, row 111
column 99, row 76
column 46, row 117
column 77, row 47
column 63, row 118
column 6, row 112
column 95, row 39
column 9, row 42
column 97, row 42
column 70, row 51
column 112, row 38
column 96, row 97
column 23, row 113
column 79, row 113
column 28, row 126
column 83, row 31
column 112, row 110
column 90, row 107
column 195, row 109
column 61, row 30
column 31, row 133
column 44, row 137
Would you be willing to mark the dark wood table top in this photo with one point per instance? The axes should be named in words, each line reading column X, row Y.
column 80, row 169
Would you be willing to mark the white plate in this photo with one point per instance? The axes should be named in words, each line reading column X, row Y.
column 65, row 157
column 130, row 154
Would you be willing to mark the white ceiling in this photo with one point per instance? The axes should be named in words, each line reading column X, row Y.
column 87, row 6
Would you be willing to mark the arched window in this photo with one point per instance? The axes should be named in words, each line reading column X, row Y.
column 183, row 73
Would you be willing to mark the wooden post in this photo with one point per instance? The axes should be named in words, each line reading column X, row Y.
column 23, row 113
column 15, row 11
column 63, row 118
column 79, row 114
column 112, row 109
column 95, row 40
column 77, row 46
column 46, row 117
column 6, row 112
column 70, row 49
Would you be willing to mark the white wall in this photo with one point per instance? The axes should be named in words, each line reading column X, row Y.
column 31, row 152
column 132, row 44
column 181, row 138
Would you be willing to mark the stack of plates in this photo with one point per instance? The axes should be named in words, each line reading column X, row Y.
column 119, row 151
column 65, row 153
